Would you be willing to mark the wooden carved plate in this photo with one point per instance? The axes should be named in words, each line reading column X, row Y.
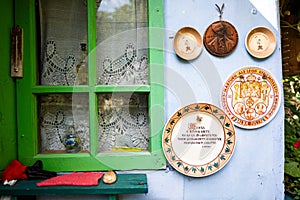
column 220, row 38
column 188, row 43
column 251, row 97
column 198, row 140
column 260, row 42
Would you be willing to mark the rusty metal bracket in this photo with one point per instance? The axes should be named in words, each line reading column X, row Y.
column 16, row 52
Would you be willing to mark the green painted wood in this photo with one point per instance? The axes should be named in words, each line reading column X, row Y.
column 92, row 71
column 27, row 92
column 156, row 58
column 26, row 110
column 60, row 89
column 125, row 184
column 8, row 144
column 112, row 197
column 123, row 88
column 94, row 126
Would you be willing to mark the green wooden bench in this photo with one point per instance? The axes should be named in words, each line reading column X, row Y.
column 125, row 184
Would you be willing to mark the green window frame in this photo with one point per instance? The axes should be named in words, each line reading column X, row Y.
column 28, row 90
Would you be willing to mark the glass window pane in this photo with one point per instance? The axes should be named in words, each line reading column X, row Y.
column 122, row 42
column 123, row 121
column 61, row 115
column 63, row 42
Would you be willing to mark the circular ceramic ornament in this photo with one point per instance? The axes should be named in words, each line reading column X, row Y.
column 198, row 140
column 260, row 42
column 109, row 177
column 188, row 43
column 221, row 37
column 251, row 97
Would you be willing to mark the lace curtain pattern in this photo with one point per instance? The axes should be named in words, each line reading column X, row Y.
column 59, row 113
column 126, row 69
column 122, row 43
column 63, row 27
column 123, row 121
column 121, row 59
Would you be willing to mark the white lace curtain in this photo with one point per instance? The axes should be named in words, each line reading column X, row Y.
column 122, row 59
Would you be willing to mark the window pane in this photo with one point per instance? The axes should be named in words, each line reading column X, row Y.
column 63, row 42
column 123, row 121
column 61, row 115
column 122, row 42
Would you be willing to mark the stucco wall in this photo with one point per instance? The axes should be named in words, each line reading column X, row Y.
column 256, row 169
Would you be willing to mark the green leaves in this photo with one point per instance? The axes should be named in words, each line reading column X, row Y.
column 291, row 86
column 222, row 157
column 292, row 169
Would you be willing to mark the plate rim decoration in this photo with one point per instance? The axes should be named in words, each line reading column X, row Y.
column 268, row 33
column 198, row 39
column 211, row 164
column 250, row 105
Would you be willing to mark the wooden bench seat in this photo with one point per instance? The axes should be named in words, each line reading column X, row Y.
column 125, row 184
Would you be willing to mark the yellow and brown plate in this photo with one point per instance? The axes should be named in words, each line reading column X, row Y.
column 198, row 140
column 260, row 42
column 188, row 43
column 251, row 97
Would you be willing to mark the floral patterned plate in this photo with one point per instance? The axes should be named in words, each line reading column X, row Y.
column 251, row 97
column 198, row 140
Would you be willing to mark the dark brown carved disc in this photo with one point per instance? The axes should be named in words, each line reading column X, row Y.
column 220, row 38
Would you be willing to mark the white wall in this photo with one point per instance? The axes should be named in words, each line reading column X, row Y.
column 255, row 170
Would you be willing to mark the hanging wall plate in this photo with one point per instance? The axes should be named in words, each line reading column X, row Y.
column 221, row 37
column 251, row 97
column 198, row 140
column 260, row 42
column 188, row 43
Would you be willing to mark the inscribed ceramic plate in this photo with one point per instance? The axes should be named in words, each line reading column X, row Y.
column 188, row 43
column 251, row 97
column 260, row 42
column 198, row 140
column 220, row 38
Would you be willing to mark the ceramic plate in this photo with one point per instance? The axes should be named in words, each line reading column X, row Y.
column 260, row 42
column 188, row 43
column 251, row 97
column 220, row 38
column 198, row 140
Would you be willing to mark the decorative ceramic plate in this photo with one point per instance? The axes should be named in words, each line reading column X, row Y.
column 220, row 38
column 260, row 42
column 188, row 43
column 198, row 140
column 251, row 97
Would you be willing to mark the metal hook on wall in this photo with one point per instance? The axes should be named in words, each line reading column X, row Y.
column 220, row 10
